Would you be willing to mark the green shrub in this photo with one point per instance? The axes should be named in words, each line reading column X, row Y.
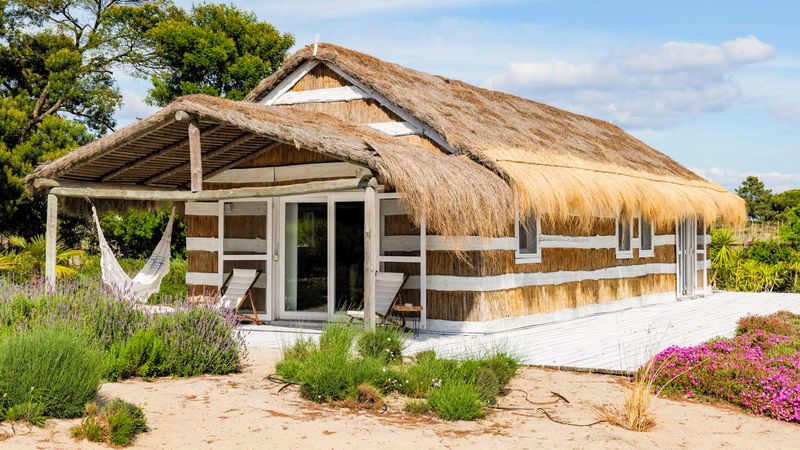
column 338, row 337
column 417, row 407
column 90, row 429
column 327, row 376
column 427, row 372
column 503, row 365
column 384, row 342
column 143, row 355
column 487, row 385
column 770, row 252
column 456, row 400
column 31, row 412
column 18, row 310
column 197, row 341
column 118, row 422
column 125, row 421
column 293, row 358
column 56, row 367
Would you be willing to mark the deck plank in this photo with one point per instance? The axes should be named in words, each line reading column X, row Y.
column 620, row 340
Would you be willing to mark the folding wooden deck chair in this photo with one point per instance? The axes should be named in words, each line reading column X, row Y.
column 387, row 290
column 236, row 288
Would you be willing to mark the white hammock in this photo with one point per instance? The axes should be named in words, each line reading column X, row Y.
column 148, row 281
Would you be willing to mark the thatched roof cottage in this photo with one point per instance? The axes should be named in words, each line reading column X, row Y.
column 502, row 211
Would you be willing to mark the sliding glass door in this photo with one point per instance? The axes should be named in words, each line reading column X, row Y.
column 321, row 255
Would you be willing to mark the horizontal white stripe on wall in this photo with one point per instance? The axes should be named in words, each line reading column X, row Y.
column 411, row 242
column 210, row 244
column 336, row 94
column 202, row 209
column 288, row 173
column 515, row 280
column 212, row 279
column 554, row 241
column 257, row 208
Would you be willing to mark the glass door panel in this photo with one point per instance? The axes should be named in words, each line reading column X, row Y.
column 349, row 259
column 306, row 258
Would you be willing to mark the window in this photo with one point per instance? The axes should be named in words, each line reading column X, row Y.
column 624, row 238
column 646, row 238
column 528, row 240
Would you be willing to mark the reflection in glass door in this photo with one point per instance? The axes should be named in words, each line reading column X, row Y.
column 306, row 258
column 349, row 259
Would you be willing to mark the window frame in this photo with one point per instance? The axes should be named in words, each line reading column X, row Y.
column 651, row 252
column 527, row 258
column 623, row 254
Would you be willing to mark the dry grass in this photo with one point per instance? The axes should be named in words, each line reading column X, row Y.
column 558, row 163
column 636, row 413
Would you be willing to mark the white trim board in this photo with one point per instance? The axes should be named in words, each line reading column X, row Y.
column 284, row 86
column 335, row 94
column 512, row 323
column 211, row 244
column 212, row 279
column 467, row 243
column 243, row 208
column 516, row 280
column 289, row 82
column 288, row 173
column 395, row 128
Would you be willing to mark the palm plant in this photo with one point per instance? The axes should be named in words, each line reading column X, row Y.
column 724, row 256
column 30, row 254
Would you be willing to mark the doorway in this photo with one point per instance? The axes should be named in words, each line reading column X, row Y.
column 690, row 245
column 320, row 255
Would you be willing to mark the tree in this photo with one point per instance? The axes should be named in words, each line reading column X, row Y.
column 758, row 199
column 57, row 89
column 214, row 49
column 790, row 231
column 786, row 200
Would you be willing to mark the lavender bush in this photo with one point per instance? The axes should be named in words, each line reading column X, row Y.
column 758, row 370
column 190, row 341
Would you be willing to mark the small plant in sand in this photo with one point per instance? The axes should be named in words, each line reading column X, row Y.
column 116, row 423
column 357, row 369
column 636, row 414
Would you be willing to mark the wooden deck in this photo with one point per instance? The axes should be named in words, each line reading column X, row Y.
column 619, row 341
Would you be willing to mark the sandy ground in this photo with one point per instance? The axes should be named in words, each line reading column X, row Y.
column 245, row 411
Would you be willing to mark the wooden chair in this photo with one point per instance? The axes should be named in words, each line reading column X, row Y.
column 387, row 290
column 236, row 289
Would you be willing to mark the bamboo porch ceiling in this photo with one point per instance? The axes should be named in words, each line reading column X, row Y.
column 161, row 158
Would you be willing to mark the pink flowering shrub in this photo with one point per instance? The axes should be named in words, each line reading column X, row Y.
column 758, row 370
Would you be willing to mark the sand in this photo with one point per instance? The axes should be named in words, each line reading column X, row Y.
column 246, row 411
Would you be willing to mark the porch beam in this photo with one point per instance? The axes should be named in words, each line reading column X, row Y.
column 129, row 192
column 195, row 156
column 370, row 253
column 51, row 236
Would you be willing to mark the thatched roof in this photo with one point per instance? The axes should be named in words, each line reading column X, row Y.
column 458, row 186
column 558, row 163
column 507, row 150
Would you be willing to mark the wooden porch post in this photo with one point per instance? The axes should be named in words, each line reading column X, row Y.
column 195, row 156
column 370, row 255
column 51, row 234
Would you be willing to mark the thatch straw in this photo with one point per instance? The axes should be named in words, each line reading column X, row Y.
column 456, row 195
column 558, row 163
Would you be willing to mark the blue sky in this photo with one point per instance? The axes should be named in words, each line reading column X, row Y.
column 713, row 84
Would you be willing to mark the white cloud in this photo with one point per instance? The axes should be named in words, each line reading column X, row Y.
column 731, row 179
column 641, row 87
